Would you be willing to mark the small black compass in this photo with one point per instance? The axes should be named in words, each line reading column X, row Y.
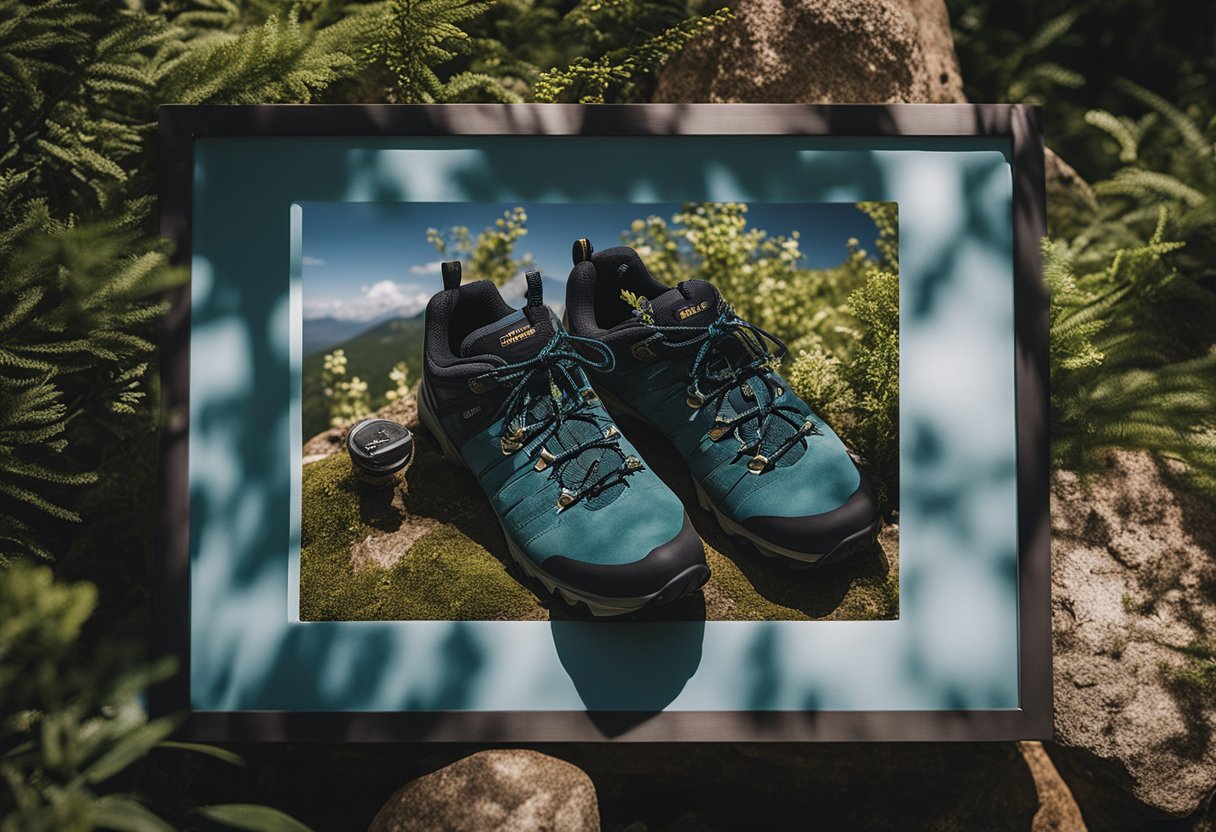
column 379, row 449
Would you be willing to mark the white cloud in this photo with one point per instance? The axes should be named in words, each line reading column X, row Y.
column 312, row 261
column 379, row 300
column 432, row 267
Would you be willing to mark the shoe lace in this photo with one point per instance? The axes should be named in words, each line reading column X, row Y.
column 713, row 375
column 533, row 414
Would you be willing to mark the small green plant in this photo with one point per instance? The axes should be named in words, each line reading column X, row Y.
column 71, row 719
column 1198, row 667
column 590, row 81
column 399, row 380
column 640, row 304
column 348, row 397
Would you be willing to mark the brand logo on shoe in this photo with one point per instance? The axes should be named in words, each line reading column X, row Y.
column 517, row 335
column 688, row 311
column 471, row 412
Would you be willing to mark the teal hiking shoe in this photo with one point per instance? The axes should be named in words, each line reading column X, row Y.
column 771, row 470
column 504, row 393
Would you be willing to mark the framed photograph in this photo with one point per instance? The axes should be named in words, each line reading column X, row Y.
column 707, row 422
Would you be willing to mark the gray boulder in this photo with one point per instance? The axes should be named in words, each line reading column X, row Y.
column 512, row 790
column 859, row 51
column 1133, row 578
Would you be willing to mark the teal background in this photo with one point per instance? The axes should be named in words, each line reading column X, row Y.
column 955, row 644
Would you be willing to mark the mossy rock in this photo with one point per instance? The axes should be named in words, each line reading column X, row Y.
column 432, row 549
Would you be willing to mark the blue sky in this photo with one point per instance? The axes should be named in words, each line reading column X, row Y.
column 364, row 260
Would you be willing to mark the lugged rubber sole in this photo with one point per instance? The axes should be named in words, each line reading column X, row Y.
column 600, row 606
column 858, row 541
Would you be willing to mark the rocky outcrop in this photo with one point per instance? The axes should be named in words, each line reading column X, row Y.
column 1133, row 580
column 810, row 51
column 511, row 790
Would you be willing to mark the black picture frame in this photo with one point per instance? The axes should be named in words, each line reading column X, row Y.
column 181, row 125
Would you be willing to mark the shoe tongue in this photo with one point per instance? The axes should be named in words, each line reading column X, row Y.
column 514, row 338
column 691, row 303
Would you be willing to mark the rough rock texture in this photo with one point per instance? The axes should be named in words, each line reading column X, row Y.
column 859, row 51
column 1133, row 577
column 511, row 790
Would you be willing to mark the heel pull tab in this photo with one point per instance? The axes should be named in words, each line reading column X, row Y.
column 451, row 274
column 535, row 293
column 582, row 250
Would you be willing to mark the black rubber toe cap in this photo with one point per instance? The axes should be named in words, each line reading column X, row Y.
column 818, row 534
column 633, row 580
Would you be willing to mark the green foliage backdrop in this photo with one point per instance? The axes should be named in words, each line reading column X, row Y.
column 81, row 272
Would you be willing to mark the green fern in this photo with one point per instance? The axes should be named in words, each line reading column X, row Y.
column 1011, row 63
column 417, row 36
column 1124, row 369
column 76, row 324
column 282, row 60
column 1169, row 159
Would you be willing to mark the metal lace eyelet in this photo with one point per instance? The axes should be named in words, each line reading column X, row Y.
column 546, row 459
column 695, row 399
column 611, row 432
column 565, row 499
column 757, row 463
column 632, row 463
column 718, row 431
column 478, row 385
column 512, row 442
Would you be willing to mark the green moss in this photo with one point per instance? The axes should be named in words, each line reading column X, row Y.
column 455, row 566
column 443, row 575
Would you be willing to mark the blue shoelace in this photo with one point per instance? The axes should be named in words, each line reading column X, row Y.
column 533, row 413
column 713, row 375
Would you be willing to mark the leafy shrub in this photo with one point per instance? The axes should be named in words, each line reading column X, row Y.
column 873, row 373
column 490, row 255
column 71, row 720
column 347, row 397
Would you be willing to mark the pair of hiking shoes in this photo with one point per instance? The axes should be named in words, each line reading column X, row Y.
column 530, row 406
